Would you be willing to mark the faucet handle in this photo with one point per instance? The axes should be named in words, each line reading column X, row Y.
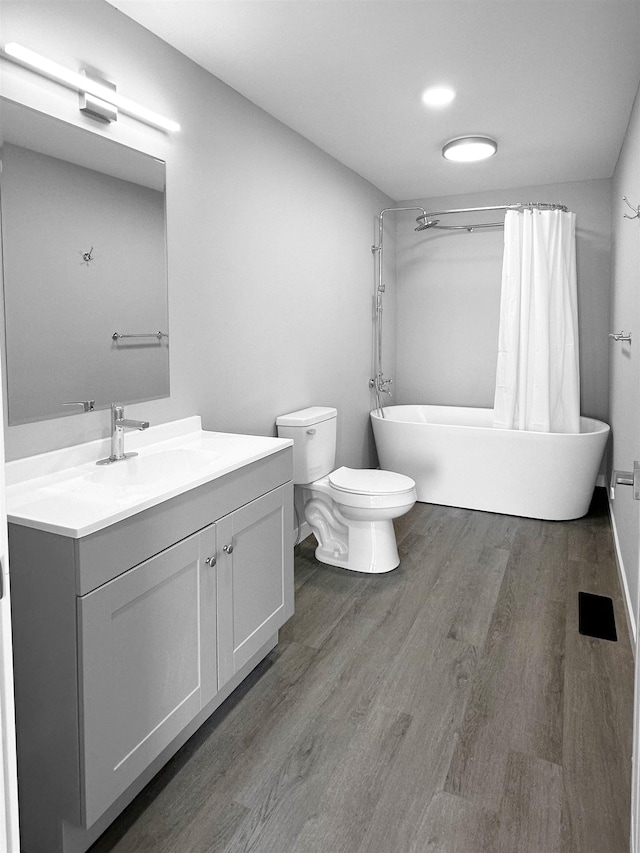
column 87, row 405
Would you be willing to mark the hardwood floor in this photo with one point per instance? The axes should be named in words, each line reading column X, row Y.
column 450, row 706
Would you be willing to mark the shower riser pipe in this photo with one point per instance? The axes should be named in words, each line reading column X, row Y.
column 379, row 383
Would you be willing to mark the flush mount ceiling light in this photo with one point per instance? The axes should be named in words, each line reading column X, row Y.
column 438, row 96
column 86, row 85
column 469, row 149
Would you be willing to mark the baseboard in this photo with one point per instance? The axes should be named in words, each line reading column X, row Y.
column 631, row 622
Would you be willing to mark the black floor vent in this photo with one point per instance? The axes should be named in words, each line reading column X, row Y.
column 596, row 617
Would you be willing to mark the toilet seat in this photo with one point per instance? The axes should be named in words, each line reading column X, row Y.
column 370, row 482
column 352, row 483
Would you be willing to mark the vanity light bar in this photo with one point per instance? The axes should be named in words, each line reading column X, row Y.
column 85, row 84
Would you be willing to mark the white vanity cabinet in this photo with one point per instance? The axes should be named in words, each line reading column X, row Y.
column 127, row 639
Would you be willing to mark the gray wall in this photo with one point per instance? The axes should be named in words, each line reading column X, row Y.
column 270, row 267
column 448, row 298
column 625, row 359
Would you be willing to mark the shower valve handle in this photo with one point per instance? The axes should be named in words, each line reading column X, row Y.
column 381, row 384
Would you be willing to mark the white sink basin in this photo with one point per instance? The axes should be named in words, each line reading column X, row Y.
column 65, row 492
column 174, row 465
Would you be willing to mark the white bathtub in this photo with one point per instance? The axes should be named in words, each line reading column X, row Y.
column 457, row 458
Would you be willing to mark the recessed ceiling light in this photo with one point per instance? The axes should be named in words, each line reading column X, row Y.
column 469, row 149
column 438, row 96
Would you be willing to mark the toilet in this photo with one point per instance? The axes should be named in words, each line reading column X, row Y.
column 350, row 511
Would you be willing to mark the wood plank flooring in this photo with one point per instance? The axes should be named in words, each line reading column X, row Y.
column 450, row 706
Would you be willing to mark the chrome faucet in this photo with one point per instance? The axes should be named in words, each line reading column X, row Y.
column 119, row 424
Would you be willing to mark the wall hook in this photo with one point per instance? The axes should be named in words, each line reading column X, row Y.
column 621, row 336
column 636, row 210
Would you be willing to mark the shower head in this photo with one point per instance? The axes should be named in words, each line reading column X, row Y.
column 427, row 223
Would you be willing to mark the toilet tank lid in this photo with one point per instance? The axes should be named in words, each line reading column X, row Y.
column 306, row 417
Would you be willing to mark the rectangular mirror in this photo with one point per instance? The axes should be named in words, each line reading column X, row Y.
column 85, row 272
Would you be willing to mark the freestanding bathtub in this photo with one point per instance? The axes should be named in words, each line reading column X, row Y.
column 458, row 458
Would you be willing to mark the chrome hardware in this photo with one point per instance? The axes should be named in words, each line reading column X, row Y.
column 95, row 107
column 118, row 426
column 636, row 210
column 620, row 336
column 381, row 384
column 211, row 561
column 116, row 336
column 378, row 383
column 228, row 549
column 629, row 478
column 87, row 405
column 425, row 221
column 311, row 432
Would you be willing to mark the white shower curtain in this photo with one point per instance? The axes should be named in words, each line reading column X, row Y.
column 537, row 378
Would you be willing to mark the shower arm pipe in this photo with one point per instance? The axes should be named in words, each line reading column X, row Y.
column 378, row 248
column 378, row 382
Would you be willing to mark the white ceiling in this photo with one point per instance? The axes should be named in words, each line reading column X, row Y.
column 552, row 80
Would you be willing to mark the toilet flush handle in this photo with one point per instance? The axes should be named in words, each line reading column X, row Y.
column 311, row 432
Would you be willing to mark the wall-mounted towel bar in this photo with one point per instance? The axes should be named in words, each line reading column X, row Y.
column 117, row 336
column 87, row 405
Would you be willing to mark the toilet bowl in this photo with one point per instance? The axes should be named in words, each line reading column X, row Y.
column 350, row 511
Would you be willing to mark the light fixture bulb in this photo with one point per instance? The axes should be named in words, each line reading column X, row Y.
column 438, row 96
column 74, row 80
column 469, row 149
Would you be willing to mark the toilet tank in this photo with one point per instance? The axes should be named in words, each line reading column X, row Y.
column 313, row 431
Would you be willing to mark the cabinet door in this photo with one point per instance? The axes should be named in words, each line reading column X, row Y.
column 146, row 660
column 255, row 577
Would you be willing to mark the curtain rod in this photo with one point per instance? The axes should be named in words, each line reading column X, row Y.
column 425, row 221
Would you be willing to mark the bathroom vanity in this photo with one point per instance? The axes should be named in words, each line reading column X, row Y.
column 142, row 595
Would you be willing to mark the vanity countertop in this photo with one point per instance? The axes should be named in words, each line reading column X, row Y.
column 65, row 492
